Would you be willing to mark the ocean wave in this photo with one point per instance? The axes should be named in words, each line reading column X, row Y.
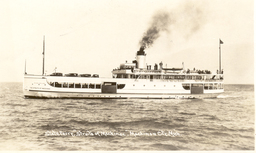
column 125, row 104
column 19, row 120
column 180, row 119
column 54, row 127
column 93, row 103
column 49, row 108
column 246, row 129
column 186, row 113
column 210, row 117
column 217, row 133
column 245, row 136
column 160, row 146
column 16, row 104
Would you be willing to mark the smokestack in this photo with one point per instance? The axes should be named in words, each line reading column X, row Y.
column 141, row 51
column 141, row 58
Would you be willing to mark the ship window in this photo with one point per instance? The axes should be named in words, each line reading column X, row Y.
column 144, row 85
column 77, row 85
column 215, row 85
column 120, row 86
column 179, row 77
column 84, row 85
column 98, row 86
column 119, row 76
column 65, row 85
column 210, row 86
column 157, row 77
column 109, row 83
column 57, row 84
column 91, row 85
column 186, row 86
column 52, row 83
column 189, row 77
column 71, row 85
column 206, row 86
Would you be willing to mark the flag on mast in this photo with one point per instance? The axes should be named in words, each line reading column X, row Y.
column 221, row 42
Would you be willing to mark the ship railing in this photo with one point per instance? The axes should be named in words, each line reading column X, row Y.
column 186, row 80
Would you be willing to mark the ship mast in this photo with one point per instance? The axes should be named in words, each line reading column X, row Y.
column 220, row 42
column 25, row 68
column 43, row 54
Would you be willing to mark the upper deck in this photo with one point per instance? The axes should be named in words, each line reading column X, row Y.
column 129, row 71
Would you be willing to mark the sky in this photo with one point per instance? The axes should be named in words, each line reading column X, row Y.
column 84, row 36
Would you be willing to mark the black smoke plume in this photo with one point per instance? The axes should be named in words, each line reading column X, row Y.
column 159, row 23
column 187, row 19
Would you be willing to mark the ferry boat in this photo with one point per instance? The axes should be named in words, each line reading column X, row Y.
column 130, row 80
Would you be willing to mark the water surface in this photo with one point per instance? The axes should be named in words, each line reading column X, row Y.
column 225, row 123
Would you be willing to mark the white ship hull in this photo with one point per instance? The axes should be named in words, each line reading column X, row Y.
column 100, row 88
